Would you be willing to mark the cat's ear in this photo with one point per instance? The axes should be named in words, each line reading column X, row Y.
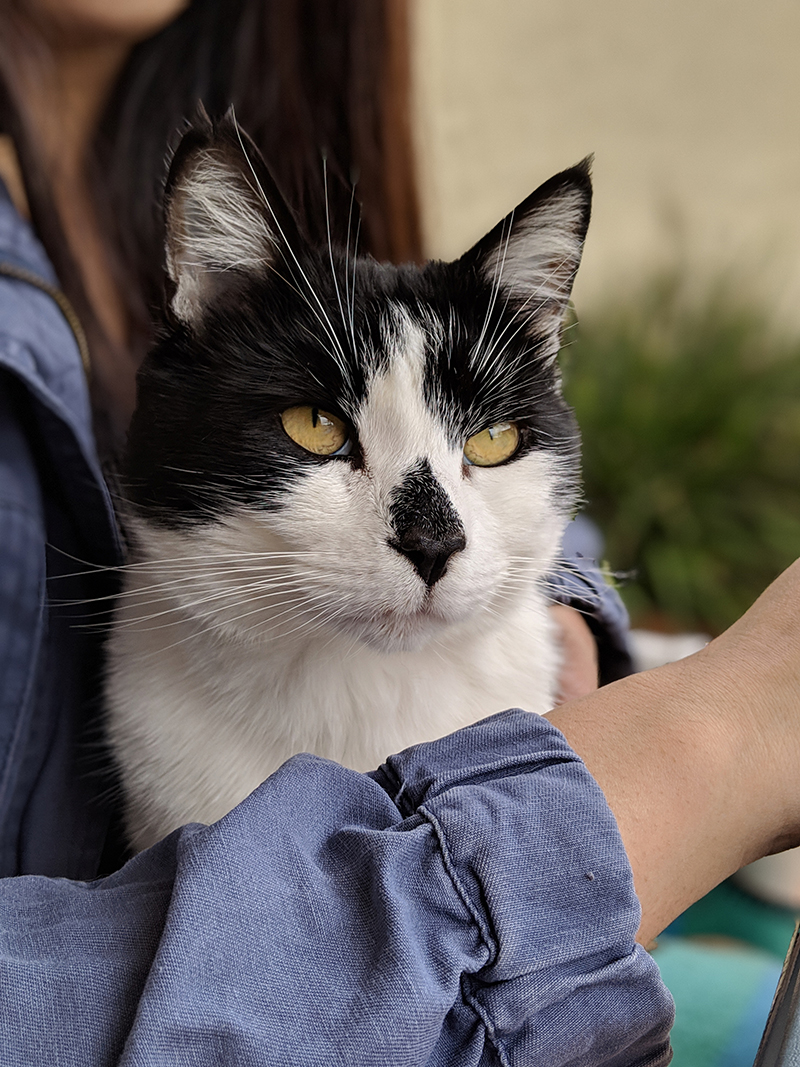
column 532, row 256
column 225, row 217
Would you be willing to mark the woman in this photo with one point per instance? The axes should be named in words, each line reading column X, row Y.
column 93, row 95
column 367, row 927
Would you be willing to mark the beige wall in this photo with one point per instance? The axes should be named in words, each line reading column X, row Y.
column 692, row 108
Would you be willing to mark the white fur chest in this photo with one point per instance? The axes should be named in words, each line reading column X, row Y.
column 198, row 721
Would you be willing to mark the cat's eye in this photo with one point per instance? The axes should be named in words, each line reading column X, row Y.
column 317, row 431
column 493, row 445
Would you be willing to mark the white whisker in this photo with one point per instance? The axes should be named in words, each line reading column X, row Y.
column 320, row 312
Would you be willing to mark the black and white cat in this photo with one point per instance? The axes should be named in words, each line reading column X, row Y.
column 346, row 484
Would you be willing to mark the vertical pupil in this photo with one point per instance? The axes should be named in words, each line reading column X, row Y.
column 314, row 417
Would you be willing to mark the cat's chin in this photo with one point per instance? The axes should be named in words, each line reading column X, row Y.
column 394, row 632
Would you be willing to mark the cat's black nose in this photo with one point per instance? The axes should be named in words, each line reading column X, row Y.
column 430, row 555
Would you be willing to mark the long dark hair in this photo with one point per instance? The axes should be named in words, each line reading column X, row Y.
column 308, row 79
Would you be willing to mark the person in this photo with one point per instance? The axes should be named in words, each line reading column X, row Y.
column 90, row 97
column 469, row 902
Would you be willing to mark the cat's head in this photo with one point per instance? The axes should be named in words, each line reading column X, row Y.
column 344, row 444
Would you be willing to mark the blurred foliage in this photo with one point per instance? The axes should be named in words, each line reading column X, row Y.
column 690, row 414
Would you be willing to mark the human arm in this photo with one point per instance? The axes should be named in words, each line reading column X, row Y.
column 578, row 673
column 699, row 759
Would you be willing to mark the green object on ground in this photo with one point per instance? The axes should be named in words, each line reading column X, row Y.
column 728, row 911
column 722, row 998
column 721, row 960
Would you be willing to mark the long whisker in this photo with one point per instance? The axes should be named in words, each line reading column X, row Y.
column 175, row 584
column 330, row 244
column 353, row 288
column 198, row 615
column 190, row 562
column 350, row 304
column 242, row 592
column 322, row 315
column 274, row 619
column 495, row 283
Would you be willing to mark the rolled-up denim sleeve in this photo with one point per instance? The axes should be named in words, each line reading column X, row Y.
column 470, row 903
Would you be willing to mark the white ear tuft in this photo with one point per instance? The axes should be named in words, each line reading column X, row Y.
column 217, row 223
column 534, row 254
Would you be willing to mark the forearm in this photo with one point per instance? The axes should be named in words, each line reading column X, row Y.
column 670, row 777
column 698, row 758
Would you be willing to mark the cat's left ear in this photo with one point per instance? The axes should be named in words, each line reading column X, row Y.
column 225, row 217
column 532, row 256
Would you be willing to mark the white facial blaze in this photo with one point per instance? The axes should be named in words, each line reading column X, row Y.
column 395, row 425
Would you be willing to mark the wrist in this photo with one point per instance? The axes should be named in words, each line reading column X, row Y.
column 673, row 763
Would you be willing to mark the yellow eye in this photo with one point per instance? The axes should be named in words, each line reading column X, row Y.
column 316, row 431
column 492, row 445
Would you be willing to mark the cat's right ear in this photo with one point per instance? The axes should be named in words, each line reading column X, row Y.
column 225, row 217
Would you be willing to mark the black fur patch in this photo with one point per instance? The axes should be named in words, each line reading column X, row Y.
column 427, row 527
column 419, row 500
column 207, row 435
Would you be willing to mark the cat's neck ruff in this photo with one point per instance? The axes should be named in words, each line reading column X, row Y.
column 202, row 716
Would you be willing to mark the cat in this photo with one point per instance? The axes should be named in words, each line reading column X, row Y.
column 345, row 485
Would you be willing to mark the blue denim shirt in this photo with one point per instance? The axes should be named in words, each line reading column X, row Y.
column 56, row 529
column 469, row 903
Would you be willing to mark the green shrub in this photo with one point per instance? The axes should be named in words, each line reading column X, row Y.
column 690, row 414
